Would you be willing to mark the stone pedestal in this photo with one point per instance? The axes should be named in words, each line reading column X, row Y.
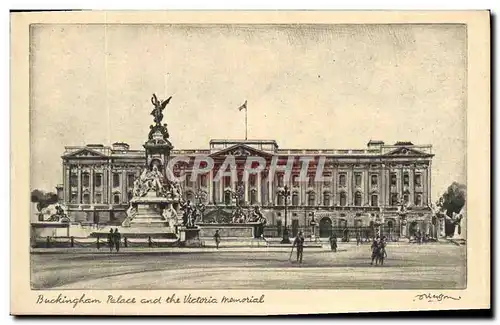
column 241, row 230
column 189, row 237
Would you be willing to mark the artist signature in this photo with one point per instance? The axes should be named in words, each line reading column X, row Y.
column 435, row 297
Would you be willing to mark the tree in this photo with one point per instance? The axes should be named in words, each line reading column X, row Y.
column 452, row 201
column 43, row 199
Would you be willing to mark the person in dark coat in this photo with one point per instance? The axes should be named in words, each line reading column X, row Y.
column 333, row 242
column 299, row 243
column 375, row 249
column 117, row 239
column 110, row 240
column 358, row 239
column 217, row 239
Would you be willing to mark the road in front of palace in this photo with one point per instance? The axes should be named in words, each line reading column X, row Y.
column 408, row 266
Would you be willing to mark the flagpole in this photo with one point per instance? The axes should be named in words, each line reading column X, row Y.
column 246, row 123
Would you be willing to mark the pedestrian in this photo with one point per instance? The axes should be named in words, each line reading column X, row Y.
column 375, row 249
column 217, row 239
column 117, row 239
column 358, row 239
column 299, row 243
column 333, row 243
column 110, row 240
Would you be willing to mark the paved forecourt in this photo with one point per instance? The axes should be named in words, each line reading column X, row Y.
column 408, row 266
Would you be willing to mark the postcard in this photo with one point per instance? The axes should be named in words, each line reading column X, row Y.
column 249, row 162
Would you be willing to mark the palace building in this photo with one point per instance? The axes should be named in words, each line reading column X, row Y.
column 359, row 187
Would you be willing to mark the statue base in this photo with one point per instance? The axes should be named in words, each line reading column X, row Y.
column 149, row 211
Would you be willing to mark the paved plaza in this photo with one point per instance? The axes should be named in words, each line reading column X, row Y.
column 408, row 266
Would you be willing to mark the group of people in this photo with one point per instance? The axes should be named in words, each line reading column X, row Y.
column 420, row 238
column 378, row 250
column 114, row 240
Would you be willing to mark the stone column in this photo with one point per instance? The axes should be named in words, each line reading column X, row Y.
column 91, row 183
column 259, row 198
column 79, row 196
column 67, row 183
column 350, row 187
column 270, row 189
column 221, row 189
column 211, row 198
column 334, row 183
column 424, row 187
column 110, row 184
column 429, row 184
column 246, row 186
column 124, row 186
column 105, row 185
column 412, row 185
column 366, row 197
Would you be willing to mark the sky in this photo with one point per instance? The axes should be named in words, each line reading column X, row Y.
column 322, row 86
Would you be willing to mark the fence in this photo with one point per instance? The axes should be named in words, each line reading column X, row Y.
column 102, row 243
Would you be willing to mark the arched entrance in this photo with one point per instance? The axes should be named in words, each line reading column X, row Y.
column 413, row 228
column 325, row 227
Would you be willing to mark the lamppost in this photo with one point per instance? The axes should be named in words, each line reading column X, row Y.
column 313, row 225
column 285, row 193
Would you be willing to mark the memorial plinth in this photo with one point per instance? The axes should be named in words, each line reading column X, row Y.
column 238, row 230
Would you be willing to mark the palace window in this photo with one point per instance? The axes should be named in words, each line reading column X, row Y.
column 130, row 180
column 295, row 180
column 295, row 199
column 418, row 180
column 418, row 200
column 280, row 200
column 203, row 180
column 97, row 180
column 357, row 179
column 73, row 180
column 227, row 197
column 406, row 198
column 280, row 180
column 343, row 199
column 326, row 198
column 342, row 179
column 253, row 197
column 394, row 179
column 406, row 179
column 130, row 195
column 357, row 199
column 86, row 179
column 116, row 199
column 252, row 179
column 98, row 198
column 86, row 198
column 374, row 180
column 374, row 200
column 116, row 180
column 311, row 199
column 188, row 178
column 227, row 181
column 74, row 198
column 311, row 180
column 394, row 199
column 390, row 224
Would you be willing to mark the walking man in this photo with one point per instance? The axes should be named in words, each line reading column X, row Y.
column 358, row 239
column 333, row 242
column 110, row 240
column 217, row 239
column 117, row 239
column 299, row 243
column 375, row 249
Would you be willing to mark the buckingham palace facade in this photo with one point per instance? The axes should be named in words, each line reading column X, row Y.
column 357, row 185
